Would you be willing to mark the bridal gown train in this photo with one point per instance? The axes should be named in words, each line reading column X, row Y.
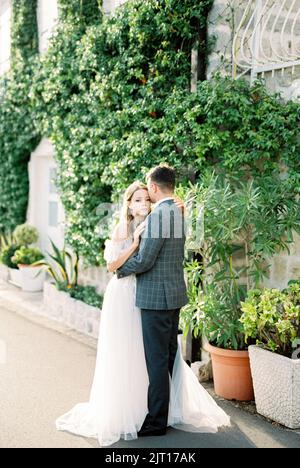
column 118, row 401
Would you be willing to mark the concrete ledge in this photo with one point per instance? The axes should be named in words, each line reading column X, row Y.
column 30, row 306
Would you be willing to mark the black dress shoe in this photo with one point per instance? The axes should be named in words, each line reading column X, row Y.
column 150, row 432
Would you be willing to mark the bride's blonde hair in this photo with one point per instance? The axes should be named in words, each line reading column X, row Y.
column 126, row 215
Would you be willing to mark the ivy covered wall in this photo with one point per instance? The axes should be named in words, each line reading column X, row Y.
column 18, row 134
column 101, row 95
column 113, row 95
column 81, row 11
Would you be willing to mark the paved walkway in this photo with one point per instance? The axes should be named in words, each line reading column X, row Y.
column 47, row 372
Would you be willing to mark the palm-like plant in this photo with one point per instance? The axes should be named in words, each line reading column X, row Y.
column 6, row 240
column 245, row 223
column 64, row 269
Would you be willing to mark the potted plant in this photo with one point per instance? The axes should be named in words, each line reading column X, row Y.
column 23, row 235
column 26, row 235
column 9, row 247
column 226, row 342
column 272, row 318
column 233, row 241
column 26, row 258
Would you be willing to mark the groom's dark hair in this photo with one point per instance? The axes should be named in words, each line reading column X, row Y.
column 164, row 176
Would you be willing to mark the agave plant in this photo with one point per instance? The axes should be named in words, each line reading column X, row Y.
column 6, row 240
column 64, row 269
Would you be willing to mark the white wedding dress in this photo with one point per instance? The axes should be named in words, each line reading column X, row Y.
column 118, row 401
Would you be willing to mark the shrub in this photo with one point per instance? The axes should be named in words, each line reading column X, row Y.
column 7, row 254
column 106, row 105
column 18, row 133
column 26, row 235
column 27, row 256
column 272, row 318
column 244, row 224
column 87, row 294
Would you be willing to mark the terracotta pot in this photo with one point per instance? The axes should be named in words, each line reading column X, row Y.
column 232, row 373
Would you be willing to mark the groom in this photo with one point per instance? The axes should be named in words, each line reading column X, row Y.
column 161, row 292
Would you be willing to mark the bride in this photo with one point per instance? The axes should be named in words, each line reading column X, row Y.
column 118, row 401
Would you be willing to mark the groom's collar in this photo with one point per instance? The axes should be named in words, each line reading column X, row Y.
column 161, row 201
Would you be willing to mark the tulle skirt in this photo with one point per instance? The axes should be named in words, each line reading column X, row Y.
column 118, row 401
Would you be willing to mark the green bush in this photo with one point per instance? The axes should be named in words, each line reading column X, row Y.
column 26, row 235
column 249, row 220
column 87, row 294
column 18, row 133
column 221, row 318
column 272, row 318
column 27, row 256
column 105, row 107
column 7, row 254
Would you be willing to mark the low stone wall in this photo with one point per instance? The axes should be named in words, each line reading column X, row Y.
column 60, row 306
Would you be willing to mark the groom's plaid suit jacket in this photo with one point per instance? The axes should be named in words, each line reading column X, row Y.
column 158, row 264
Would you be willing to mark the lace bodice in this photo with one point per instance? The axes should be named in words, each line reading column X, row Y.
column 113, row 249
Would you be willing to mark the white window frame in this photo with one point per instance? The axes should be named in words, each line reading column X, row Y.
column 264, row 28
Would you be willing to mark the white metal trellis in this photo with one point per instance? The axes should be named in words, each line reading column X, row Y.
column 267, row 37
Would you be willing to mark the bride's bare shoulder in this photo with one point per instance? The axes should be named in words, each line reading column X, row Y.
column 120, row 232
